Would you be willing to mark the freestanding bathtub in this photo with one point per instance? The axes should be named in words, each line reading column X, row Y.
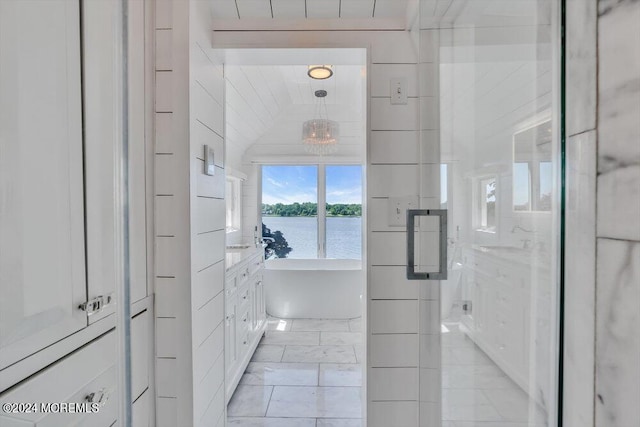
column 314, row 288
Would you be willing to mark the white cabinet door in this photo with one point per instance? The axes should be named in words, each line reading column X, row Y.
column 42, row 274
column 101, row 107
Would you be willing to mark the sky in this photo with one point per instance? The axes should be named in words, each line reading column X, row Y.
column 290, row 184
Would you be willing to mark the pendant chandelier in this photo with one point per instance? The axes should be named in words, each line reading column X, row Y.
column 320, row 135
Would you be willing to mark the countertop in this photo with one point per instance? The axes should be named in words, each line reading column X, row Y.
column 234, row 257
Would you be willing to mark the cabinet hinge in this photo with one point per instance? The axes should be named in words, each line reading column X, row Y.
column 96, row 305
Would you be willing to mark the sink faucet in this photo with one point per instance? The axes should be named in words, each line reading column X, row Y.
column 519, row 227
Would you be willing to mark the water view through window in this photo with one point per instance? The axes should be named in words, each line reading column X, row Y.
column 290, row 217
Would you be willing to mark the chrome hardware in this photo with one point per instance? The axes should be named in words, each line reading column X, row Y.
column 100, row 397
column 97, row 304
column 411, row 225
column 467, row 306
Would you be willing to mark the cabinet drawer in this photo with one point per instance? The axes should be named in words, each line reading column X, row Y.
column 230, row 285
column 90, row 370
column 244, row 319
column 256, row 264
column 243, row 274
column 244, row 296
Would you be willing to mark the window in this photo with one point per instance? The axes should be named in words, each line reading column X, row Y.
column 234, row 203
column 486, row 202
column 533, row 169
column 312, row 211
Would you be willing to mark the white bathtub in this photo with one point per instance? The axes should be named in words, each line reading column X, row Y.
column 314, row 288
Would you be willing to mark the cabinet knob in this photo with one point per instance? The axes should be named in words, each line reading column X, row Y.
column 100, row 397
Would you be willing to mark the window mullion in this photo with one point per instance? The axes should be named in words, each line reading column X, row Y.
column 322, row 212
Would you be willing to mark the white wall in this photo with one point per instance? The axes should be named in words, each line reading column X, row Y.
column 190, row 218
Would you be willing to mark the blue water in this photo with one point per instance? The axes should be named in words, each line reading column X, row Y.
column 344, row 236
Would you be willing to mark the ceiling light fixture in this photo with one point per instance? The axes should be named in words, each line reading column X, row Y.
column 320, row 72
column 320, row 135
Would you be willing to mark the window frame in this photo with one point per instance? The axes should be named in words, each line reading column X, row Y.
column 236, row 205
column 321, row 201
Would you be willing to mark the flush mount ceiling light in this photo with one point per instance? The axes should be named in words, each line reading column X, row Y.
column 320, row 135
column 320, row 72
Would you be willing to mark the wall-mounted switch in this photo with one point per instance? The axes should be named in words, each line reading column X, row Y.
column 398, row 207
column 399, row 91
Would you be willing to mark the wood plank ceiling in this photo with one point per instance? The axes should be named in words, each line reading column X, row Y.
column 309, row 9
column 267, row 104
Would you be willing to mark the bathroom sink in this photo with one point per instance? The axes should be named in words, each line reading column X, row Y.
column 509, row 249
column 239, row 247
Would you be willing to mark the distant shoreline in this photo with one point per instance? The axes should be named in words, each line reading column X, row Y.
column 311, row 216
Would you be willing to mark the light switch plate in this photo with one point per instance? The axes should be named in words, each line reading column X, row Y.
column 398, row 207
column 399, row 89
column 209, row 162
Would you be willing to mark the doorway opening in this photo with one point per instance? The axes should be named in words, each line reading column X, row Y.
column 296, row 178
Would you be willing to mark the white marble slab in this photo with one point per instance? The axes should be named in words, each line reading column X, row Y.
column 335, row 422
column 258, row 373
column 268, row 353
column 355, row 325
column 319, row 354
column 619, row 203
column 482, row 377
column 618, row 84
column 359, row 350
column 319, row 402
column 320, row 325
column 340, row 338
column 340, row 375
column 282, row 325
column 271, row 422
column 618, row 336
column 515, row 405
column 581, row 81
column 284, row 338
column 249, row 401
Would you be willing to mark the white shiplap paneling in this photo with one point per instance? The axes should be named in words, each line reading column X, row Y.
column 356, row 8
column 254, row 8
column 224, row 9
column 325, row 9
column 283, row 9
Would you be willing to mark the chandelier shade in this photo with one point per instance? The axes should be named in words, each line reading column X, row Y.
column 320, row 136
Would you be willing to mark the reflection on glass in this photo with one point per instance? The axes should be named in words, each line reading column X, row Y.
column 532, row 168
column 498, row 307
column 344, row 212
column 521, row 187
column 487, row 211
column 444, row 186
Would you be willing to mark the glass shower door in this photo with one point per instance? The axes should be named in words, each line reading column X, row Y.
column 491, row 173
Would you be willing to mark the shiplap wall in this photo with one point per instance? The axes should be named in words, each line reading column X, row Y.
column 208, row 221
column 393, row 170
column 190, row 218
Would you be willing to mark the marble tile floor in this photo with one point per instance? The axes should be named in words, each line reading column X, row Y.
column 304, row 373
column 476, row 392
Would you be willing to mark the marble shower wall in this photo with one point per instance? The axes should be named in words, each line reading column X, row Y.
column 602, row 283
column 617, row 389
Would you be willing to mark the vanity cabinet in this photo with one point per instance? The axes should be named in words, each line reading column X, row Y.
column 245, row 316
column 502, row 295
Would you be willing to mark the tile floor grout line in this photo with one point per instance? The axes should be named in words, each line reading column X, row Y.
column 273, row 388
